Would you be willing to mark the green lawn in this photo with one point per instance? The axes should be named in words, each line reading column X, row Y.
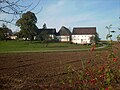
column 35, row 46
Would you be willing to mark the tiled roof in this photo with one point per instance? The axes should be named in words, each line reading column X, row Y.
column 64, row 31
column 48, row 31
column 84, row 30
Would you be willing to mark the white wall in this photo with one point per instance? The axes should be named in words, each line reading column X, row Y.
column 64, row 38
column 81, row 39
column 52, row 36
column 13, row 37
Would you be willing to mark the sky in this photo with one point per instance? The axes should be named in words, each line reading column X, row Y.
column 77, row 13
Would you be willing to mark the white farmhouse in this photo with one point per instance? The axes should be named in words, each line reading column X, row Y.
column 64, row 35
column 13, row 37
column 82, row 35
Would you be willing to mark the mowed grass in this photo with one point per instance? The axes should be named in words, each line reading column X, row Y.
column 36, row 46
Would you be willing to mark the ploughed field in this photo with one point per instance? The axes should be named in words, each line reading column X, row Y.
column 38, row 71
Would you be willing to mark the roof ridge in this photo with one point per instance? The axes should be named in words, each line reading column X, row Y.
column 84, row 30
column 64, row 31
column 84, row 27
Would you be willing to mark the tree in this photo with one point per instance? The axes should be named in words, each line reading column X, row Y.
column 44, row 26
column 27, row 24
column 5, row 32
column 2, row 35
column 95, row 38
column 118, row 38
column 43, row 34
column 14, row 8
column 109, row 35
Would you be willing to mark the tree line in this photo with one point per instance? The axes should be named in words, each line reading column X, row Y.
column 29, row 29
column 5, row 32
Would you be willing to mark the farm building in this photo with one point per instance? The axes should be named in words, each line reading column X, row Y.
column 82, row 35
column 64, row 35
column 13, row 37
column 48, row 33
column 79, row 35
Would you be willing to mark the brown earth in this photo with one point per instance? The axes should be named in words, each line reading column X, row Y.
column 30, row 71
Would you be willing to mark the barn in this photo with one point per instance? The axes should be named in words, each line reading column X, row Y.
column 82, row 35
column 64, row 34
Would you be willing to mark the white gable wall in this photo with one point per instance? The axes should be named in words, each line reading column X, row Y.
column 64, row 38
column 81, row 39
column 13, row 37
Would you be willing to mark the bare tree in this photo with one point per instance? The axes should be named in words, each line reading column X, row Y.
column 15, row 8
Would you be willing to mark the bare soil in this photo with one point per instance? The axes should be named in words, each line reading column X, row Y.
column 37, row 71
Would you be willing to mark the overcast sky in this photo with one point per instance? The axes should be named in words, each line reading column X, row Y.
column 79, row 13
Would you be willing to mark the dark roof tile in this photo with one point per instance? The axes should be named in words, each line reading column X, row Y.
column 48, row 31
column 84, row 30
column 64, row 31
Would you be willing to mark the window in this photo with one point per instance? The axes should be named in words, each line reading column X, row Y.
column 81, row 40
